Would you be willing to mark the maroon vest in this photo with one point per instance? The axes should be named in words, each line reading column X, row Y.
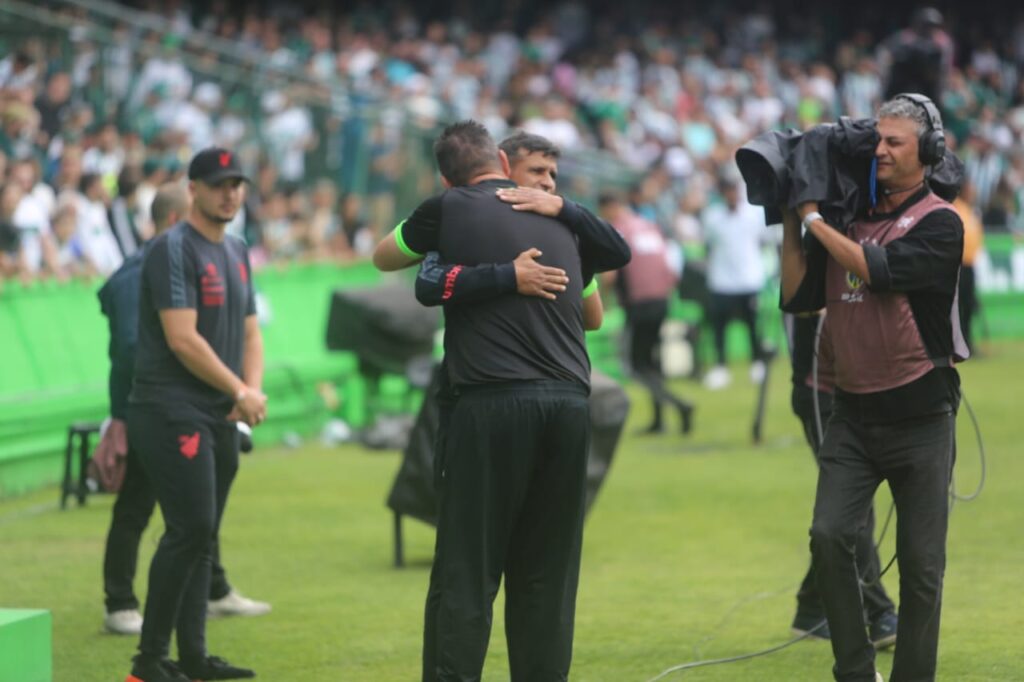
column 648, row 277
column 874, row 338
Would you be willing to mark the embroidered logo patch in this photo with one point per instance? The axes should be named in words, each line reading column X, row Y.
column 211, row 286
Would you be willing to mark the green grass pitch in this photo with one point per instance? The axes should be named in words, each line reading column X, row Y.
column 693, row 550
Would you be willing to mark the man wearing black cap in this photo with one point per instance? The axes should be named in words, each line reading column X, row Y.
column 119, row 468
column 198, row 370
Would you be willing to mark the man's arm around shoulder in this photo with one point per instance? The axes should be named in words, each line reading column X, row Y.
column 411, row 239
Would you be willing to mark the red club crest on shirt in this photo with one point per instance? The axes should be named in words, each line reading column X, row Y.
column 225, row 159
column 243, row 273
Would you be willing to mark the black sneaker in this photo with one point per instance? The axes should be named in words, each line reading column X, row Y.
column 812, row 628
column 214, row 668
column 686, row 416
column 882, row 631
column 149, row 670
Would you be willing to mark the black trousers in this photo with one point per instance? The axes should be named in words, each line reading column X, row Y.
column 644, row 322
column 808, row 600
column 191, row 459
column 512, row 492
column 723, row 308
column 916, row 457
column 132, row 511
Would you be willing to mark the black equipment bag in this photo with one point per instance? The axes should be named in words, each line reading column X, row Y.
column 385, row 326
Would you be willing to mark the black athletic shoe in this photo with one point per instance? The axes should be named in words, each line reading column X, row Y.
column 213, row 668
column 686, row 415
column 813, row 628
column 882, row 631
column 652, row 430
column 148, row 670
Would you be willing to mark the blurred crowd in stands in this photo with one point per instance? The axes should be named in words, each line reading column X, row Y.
column 328, row 111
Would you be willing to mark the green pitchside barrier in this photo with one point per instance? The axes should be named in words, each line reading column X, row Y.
column 53, row 355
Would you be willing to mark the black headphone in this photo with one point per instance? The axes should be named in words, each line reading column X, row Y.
column 931, row 145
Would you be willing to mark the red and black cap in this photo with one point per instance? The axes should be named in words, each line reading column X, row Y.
column 214, row 164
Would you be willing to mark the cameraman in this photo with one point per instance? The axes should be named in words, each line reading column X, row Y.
column 888, row 285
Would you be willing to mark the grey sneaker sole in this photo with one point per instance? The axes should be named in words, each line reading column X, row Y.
column 123, row 633
column 884, row 642
column 797, row 632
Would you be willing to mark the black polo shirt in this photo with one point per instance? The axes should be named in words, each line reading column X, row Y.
column 510, row 337
column 183, row 269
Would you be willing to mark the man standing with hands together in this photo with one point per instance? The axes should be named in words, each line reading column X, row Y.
column 199, row 369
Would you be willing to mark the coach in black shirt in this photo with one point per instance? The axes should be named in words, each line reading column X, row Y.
column 512, row 487
column 199, row 368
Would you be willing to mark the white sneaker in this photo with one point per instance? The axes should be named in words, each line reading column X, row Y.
column 757, row 371
column 127, row 622
column 234, row 604
column 718, row 378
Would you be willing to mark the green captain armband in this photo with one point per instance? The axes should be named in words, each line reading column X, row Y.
column 402, row 246
column 591, row 288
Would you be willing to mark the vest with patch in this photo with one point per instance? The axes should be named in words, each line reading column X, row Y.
column 874, row 337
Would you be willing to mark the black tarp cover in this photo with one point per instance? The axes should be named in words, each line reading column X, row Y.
column 413, row 493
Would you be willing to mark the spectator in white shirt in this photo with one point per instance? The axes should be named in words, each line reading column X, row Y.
column 94, row 233
column 288, row 133
column 31, row 218
column 107, row 157
column 734, row 233
column 556, row 124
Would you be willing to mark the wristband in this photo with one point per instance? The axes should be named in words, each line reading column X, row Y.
column 810, row 218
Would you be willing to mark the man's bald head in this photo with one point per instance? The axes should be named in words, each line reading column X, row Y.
column 170, row 205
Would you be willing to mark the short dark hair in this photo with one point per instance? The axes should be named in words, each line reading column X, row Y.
column 87, row 180
column 610, row 198
column 128, row 180
column 522, row 142
column 464, row 150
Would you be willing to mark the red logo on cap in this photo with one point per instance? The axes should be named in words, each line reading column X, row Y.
column 225, row 159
